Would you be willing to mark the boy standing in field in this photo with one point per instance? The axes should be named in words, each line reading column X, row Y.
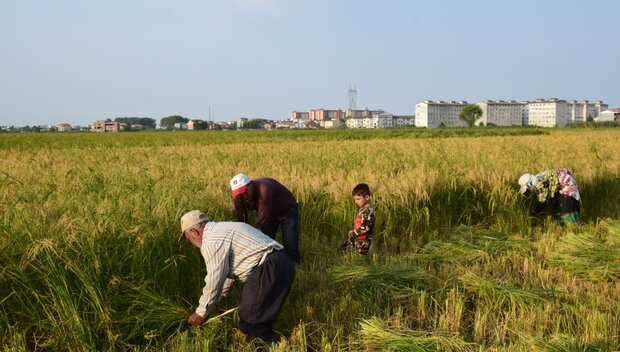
column 363, row 227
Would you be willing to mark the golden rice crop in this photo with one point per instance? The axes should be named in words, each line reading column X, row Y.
column 90, row 260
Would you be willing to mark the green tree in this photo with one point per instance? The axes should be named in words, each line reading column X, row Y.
column 201, row 125
column 470, row 114
column 169, row 121
column 147, row 122
column 253, row 124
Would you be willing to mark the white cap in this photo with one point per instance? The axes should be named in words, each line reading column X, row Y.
column 192, row 218
column 238, row 183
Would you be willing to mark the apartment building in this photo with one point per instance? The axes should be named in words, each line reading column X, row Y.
column 500, row 113
column 361, row 113
column 433, row 114
column 584, row 110
column 376, row 120
column 403, row 120
column 300, row 115
column 553, row 112
column 324, row 115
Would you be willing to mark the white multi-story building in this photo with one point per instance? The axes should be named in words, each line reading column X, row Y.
column 361, row 113
column 500, row 113
column 432, row 114
column 549, row 113
column 376, row 120
column 525, row 113
column 584, row 110
column 577, row 110
column 542, row 113
column 354, row 122
column 382, row 120
column 402, row 121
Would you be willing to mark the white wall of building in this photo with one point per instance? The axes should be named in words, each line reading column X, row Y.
column 432, row 114
column 501, row 113
column 404, row 121
column 549, row 113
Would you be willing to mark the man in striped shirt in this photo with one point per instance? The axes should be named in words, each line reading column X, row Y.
column 238, row 251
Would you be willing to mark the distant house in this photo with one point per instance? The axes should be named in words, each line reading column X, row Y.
column 333, row 123
column 107, row 126
column 284, row 124
column 180, row 126
column 63, row 127
column 608, row 115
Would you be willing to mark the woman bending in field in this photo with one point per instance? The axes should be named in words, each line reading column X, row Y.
column 557, row 187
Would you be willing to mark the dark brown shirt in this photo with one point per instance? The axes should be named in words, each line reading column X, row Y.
column 267, row 196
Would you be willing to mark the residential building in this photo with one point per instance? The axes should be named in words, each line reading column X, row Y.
column 500, row 113
column 553, row 112
column 608, row 115
column 354, row 122
column 191, row 125
column 284, row 124
column 63, row 127
column 525, row 114
column 324, row 115
column 361, row 113
column 584, row 110
column 375, row 120
column 301, row 122
column 300, row 115
column 403, row 120
column 240, row 122
column 433, row 114
column 333, row 123
column 180, row 126
column 383, row 120
column 107, row 126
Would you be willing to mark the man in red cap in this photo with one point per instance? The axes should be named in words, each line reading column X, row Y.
column 276, row 206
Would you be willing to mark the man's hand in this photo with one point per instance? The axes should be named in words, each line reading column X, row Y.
column 195, row 319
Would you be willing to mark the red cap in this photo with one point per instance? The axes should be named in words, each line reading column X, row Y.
column 239, row 191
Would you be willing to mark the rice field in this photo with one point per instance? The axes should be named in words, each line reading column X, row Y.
column 90, row 259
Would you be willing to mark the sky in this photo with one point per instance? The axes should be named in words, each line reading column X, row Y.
column 77, row 61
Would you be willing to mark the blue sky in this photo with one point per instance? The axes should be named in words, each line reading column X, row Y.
column 77, row 61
